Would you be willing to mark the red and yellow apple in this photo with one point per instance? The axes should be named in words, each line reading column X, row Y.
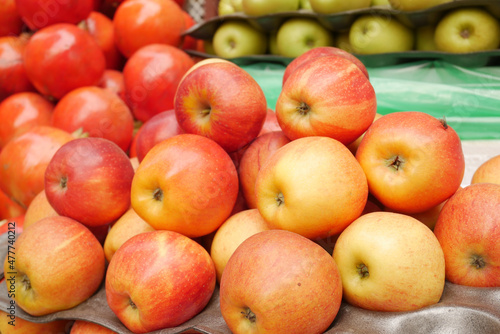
column 39, row 208
column 87, row 327
column 12, row 324
column 488, row 171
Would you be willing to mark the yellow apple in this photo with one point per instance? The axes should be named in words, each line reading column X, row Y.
column 487, row 172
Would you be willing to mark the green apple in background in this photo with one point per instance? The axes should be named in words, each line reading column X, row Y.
column 227, row 7
column 337, row 6
column 467, row 29
column 305, row 4
column 208, row 47
column 342, row 41
column 373, row 34
column 424, row 38
column 238, row 38
column 273, row 43
column 300, row 34
column 264, row 7
column 411, row 5
column 380, row 3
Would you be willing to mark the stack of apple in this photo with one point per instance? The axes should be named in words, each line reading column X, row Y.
column 225, row 191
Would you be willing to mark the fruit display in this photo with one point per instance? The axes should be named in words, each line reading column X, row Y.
column 380, row 33
column 147, row 189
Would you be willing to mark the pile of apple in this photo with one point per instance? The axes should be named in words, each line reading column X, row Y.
column 290, row 211
column 462, row 29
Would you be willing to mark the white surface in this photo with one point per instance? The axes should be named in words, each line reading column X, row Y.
column 476, row 152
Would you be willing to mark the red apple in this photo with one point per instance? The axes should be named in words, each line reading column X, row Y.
column 412, row 160
column 113, row 81
column 468, row 229
column 8, row 208
column 159, row 279
column 320, row 52
column 58, row 264
column 159, row 127
column 280, row 282
column 10, row 323
column 221, row 101
column 271, row 123
column 87, row 327
column 23, row 161
column 38, row 209
column 89, row 179
column 327, row 96
column 256, row 156
column 187, row 184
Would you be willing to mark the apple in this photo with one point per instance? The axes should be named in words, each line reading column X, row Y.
column 383, row 3
column 468, row 229
column 413, row 5
column 238, row 38
column 390, row 262
column 353, row 147
column 271, row 123
column 374, row 34
column 187, row 184
column 280, row 282
column 412, row 160
column 264, row 7
column 227, row 7
column 89, row 179
column 12, row 324
column 232, row 233
column 127, row 226
column 300, row 34
column 159, row 279
column 23, row 161
column 87, row 327
column 205, row 62
column 337, row 6
column 58, row 264
column 342, row 41
column 488, row 171
column 159, row 127
column 467, row 30
column 222, row 102
column 319, row 52
column 305, row 4
column 8, row 208
column 312, row 186
column 38, row 209
column 327, row 96
column 254, row 158
column 424, row 38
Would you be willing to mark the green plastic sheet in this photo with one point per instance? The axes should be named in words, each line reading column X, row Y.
column 469, row 98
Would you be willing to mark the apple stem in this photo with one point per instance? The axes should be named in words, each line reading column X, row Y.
column 444, row 123
column 206, row 112
column 26, row 282
column 478, row 262
column 363, row 270
column 158, row 194
column 248, row 314
column 64, row 182
column 280, row 199
column 132, row 304
column 303, row 109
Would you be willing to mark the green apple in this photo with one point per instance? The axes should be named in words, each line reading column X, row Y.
column 300, row 34
column 227, row 7
column 264, row 7
column 273, row 43
column 380, row 3
column 411, row 5
column 467, row 30
column 208, row 46
column 424, row 38
column 342, row 41
column 238, row 38
column 373, row 34
column 337, row 6
column 305, row 4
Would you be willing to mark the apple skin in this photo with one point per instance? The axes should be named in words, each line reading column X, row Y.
column 467, row 30
column 256, row 156
column 232, row 233
column 89, row 180
column 412, row 5
column 23, row 326
column 8, row 208
column 237, row 38
column 275, row 276
column 127, row 226
column 412, row 160
column 327, row 96
column 226, row 7
column 374, row 34
column 87, row 327
column 38, row 209
column 187, row 184
column 390, row 262
column 319, row 52
column 312, row 186
column 222, row 102
column 300, row 34
column 424, row 38
column 142, row 290
column 468, row 229
column 337, row 6
column 488, row 171
column 55, row 245
column 353, row 147
column 265, row 7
